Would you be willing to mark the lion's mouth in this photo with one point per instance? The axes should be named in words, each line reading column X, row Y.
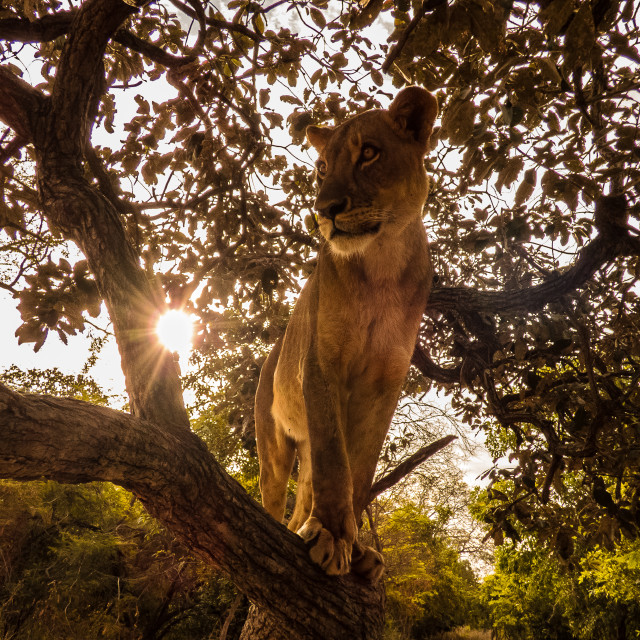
column 336, row 232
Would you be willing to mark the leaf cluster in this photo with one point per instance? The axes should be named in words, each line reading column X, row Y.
column 429, row 588
column 530, row 595
column 87, row 560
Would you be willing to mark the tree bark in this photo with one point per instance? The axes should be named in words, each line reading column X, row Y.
column 180, row 483
column 597, row 253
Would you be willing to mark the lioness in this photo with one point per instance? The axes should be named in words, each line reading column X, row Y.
column 328, row 390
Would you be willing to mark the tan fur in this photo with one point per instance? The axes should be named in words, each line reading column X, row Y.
column 328, row 390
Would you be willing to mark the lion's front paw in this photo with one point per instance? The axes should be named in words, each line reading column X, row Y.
column 367, row 562
column 332, row 554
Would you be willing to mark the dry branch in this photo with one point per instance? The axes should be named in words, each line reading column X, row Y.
column 406, row 467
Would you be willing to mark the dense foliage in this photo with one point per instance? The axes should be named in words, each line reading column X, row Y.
column 87, row 561
column 539, row 122
column 530, row 595
column 429, row 589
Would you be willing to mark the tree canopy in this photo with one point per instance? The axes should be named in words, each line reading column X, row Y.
column 152, row 155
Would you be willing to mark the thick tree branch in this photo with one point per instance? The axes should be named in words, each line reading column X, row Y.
column 58, row 128
column 42, row 29
column 181, row 484
column 591, row 258
column 431, row 370
column 614, row 240
column 150, row 50
column 90, row 31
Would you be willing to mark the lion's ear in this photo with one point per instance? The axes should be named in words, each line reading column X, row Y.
column 319, row 136
column 414, row 111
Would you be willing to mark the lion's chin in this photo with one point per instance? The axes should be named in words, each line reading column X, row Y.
column 349, row 243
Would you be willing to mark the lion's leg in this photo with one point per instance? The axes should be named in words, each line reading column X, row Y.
column 276, row 457
column 276, row 452
column 304, row 493
column 368, row 423
column 331, row 527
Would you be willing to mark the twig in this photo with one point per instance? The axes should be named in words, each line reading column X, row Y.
column 230, row 616
column 373, row 528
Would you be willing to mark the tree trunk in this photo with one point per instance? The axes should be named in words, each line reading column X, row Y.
column 260, row 626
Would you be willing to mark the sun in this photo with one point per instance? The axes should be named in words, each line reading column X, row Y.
column 175, row 331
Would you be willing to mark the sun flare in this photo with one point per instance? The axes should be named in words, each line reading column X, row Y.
column 175, row 331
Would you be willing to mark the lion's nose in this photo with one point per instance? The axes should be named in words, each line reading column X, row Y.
column 332, row 208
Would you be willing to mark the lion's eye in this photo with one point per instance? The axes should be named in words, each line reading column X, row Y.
column 368, row 153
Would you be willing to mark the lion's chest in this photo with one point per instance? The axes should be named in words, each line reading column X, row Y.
column 368, row 339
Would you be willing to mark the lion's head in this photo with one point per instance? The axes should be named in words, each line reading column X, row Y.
column 371, row 176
